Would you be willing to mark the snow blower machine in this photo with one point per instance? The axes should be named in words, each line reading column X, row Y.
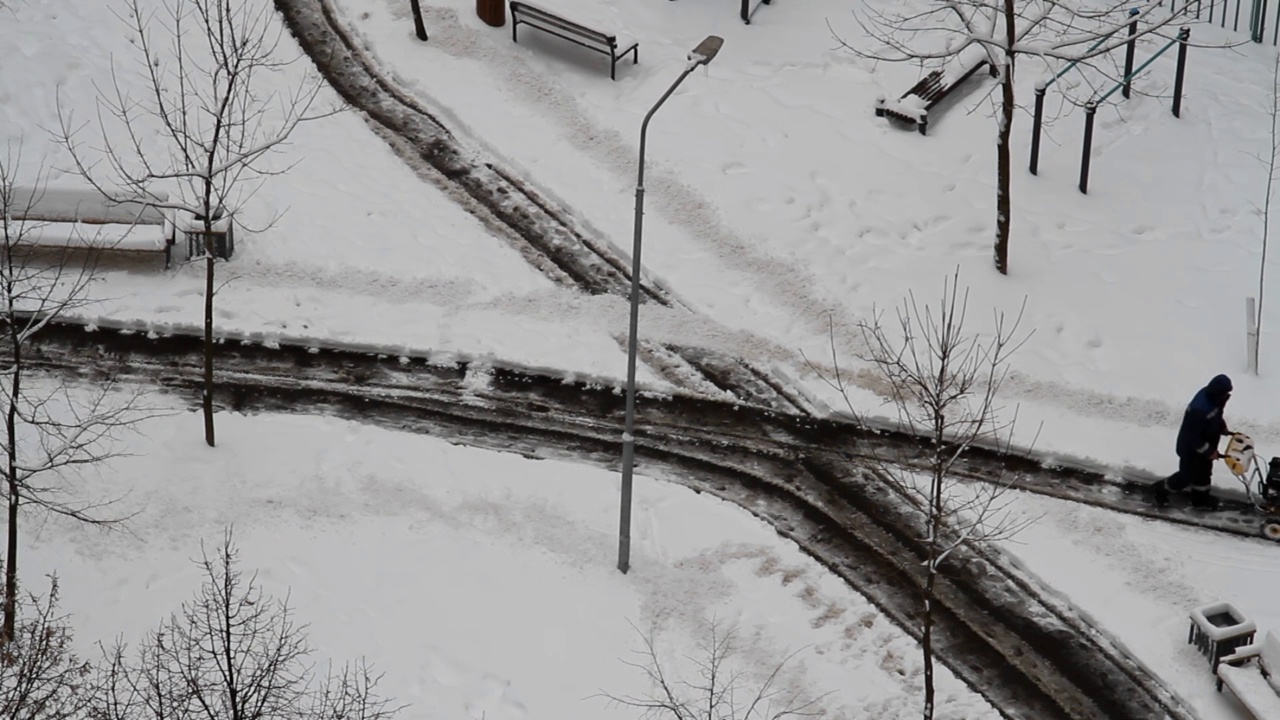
column 1263, row 489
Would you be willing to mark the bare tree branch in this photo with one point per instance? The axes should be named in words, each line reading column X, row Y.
column 958, row 34
column 944, row 384
column 218, row 104
column 716, row 690
column 40, row 676
column 51, row 428
column 233, row 653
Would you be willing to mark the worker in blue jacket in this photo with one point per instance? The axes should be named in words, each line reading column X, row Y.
column 1203, row 425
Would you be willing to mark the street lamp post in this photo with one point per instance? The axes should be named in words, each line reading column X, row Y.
column 704, row 53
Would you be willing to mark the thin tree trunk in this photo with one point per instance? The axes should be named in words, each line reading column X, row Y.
column 926, row 641
column 11, row 549
column 11, row 568
column 1004, row 174
column 208, row 337
column 936, row 511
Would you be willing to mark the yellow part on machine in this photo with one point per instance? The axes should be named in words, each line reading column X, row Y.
column 1239, row 454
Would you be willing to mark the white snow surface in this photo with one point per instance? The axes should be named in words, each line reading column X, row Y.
column 483, row 584
column 783, row 212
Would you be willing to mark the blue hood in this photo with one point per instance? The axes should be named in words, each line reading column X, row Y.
column 1219, row 387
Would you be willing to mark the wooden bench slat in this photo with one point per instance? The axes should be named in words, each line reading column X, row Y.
column 1251, row 682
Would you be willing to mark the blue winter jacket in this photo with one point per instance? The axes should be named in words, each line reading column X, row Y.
column 1203, row 423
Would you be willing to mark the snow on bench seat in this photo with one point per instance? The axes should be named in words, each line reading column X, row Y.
column 915, row 104
column 1251, row 673
column 127, row 238
column 55, row 204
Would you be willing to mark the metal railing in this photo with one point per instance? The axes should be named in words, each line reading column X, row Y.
column 1236, row 15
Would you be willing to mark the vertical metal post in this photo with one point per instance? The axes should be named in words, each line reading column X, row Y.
column 628, row 433
column 1251, row 334
column 419, row 27
column 1089, row 110
column 1184, row 36
column 1128, row 52
column 1035, row 129
column 629, row 428
column 1236, row 26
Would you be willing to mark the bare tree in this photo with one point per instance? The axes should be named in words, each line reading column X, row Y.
column 50, row 428
column 943, row 384
column 937, row 32
column 1255, row 331
column 233, row 653
column 717, row 689
column 212, row 114
column 40, row 676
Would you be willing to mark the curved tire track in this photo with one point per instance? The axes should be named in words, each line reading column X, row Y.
column 1031, row 656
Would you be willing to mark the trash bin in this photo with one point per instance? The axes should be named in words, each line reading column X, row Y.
column 493, row 12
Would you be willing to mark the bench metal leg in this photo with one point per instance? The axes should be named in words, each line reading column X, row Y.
column 514, row 24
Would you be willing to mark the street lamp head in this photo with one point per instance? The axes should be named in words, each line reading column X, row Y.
column 706, row 50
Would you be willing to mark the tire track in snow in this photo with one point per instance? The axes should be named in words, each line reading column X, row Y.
column 681, row 205
column 786, row 283
column 534, row 222
column 719, row 375
column 1000, row 630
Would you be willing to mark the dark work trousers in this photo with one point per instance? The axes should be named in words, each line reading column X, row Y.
column 1195, row 471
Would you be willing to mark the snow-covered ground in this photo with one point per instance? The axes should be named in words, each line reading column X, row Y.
column 483, row 584
column 1139, row 579
column 776, row 202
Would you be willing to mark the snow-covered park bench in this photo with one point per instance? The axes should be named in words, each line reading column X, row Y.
column 914, row 105
column 84, row 219
column 615, row 45
column 1251, row 673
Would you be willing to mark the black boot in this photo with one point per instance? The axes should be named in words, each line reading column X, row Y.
column 1204, row 500
column 1160, row 492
